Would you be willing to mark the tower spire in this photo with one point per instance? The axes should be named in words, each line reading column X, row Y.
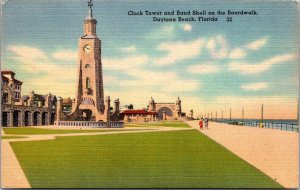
column 89, row 28
column 90, row 5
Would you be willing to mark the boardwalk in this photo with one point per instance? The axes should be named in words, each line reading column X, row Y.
column 272, row 151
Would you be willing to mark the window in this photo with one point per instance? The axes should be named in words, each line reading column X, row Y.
column 5, row 83
column 87, row 83
column 5, row 97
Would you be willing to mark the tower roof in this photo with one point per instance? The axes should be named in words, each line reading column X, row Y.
column 90, row 11
column 89, row 24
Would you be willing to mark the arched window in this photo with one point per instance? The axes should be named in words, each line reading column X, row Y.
column 88, row 83
column 5, row 97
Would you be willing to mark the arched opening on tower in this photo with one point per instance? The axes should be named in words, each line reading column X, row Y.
column 88, row 83
column 87, row 115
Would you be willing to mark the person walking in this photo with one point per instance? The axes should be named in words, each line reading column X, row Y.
column 201, row 123
column 206, row 123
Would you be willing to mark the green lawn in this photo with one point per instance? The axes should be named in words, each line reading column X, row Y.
column 12, row 137
column 38, row 131
column 175, row 159
column 161, row 124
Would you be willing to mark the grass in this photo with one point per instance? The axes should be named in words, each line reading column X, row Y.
column 12, row 137
column 38, row 131
column 174, row 159
column 172, row 124
column 161, row 124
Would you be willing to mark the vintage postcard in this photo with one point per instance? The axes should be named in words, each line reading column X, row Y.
column 149, row 94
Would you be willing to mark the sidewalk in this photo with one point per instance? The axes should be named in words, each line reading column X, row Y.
column 12, row 175
column 274, row 152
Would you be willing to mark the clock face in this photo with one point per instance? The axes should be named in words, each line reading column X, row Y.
column 86, row 48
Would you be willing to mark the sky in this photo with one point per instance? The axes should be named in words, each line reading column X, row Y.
column 211, row 66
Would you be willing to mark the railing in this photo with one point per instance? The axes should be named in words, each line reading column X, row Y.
column 274, row 125
column 267, row 124
column 93, row 124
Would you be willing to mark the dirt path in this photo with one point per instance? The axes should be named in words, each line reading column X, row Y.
column 12, row 175
column 272, row 151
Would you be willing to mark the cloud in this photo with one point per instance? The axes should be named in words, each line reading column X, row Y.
column 27, row 53
column 256, row 45
column 217, row 46
column 41, row 73
column 255, row 86
column 187, row 27
column 245, row 68
column 178, row 51
column 148, row 80
column 65, row 55
column 158, row 81
column 129, row 49
column 165, row 32
column 127, row 64
column 163, row 82
column 207, row 68
column 237, row 53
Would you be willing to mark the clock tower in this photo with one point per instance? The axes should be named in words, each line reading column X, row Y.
column 90, row 104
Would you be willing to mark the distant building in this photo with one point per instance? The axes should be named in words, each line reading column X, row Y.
column 191, row 114
column 138, row 116
column 155, row 112
column 115, row 113
column 28, row 110
column 166, row 111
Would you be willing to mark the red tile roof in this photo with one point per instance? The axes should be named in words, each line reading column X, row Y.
column 11, row 72
column 7, row 72
column 138, row 112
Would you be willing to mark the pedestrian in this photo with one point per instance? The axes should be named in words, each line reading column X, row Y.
column 206, row 123
column 201, row 123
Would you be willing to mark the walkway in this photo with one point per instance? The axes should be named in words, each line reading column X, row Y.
column 274, row 152
column 12, row 175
